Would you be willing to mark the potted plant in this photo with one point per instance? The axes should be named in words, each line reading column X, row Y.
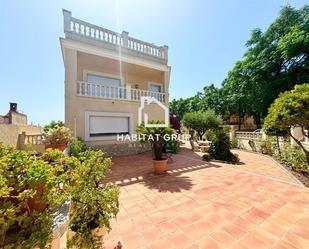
column 58, row 138
column 157, row 137
column 31, row 187
column 93, row 202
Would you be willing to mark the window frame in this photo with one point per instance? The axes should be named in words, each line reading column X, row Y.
column 155, row 84
column 106, row 114
column 113, row 76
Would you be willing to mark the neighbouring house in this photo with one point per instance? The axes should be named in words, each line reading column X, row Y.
column 106, row 74
column 13, row 116
column 246, row 123
column 15, row 130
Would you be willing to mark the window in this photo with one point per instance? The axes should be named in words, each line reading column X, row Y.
column 155, row 88
column 156, row 91
column 108, row 81
column 104, row 125
column 109, row 89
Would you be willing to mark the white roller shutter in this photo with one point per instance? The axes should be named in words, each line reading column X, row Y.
column 106, row 125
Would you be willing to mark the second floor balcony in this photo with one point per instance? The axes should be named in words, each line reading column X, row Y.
column 81, row 31
column 126, row 92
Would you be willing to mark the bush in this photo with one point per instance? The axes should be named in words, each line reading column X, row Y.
column 31, row 187
column 171, row 146
column 234, row 143
column 290, row 109
column 58, row 135
column 220, row 148
column 93, row 202
column 266, row 146
column 209, row 135
column 77, row 146
column 295, row 156
column 206, row 157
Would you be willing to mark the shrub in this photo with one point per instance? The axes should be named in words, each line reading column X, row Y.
column 294, row 156
column 206, row 157
column 93, row 202
column 265, row 146
column 77, row 146
column 209, row 135
column 172, row 146
column 58, row 135
column 289, row 110
column 31, row 187
column 220, row 148
column 234, row 143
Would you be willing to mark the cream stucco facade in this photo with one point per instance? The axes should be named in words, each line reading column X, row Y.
column 106, row 74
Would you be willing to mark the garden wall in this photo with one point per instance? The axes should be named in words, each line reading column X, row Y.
column 9, row 133
column 120, row 149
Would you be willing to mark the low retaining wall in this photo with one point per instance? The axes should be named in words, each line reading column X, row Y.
column 244, row 144
column 120, row 149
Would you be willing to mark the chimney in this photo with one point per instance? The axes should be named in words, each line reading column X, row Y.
column 13, row 107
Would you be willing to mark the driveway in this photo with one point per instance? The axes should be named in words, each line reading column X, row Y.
column 256, row 204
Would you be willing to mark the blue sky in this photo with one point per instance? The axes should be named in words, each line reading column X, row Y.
column 205, row 39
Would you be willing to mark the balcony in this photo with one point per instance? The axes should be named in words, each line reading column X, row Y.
column 79, row 30
column 87, row 89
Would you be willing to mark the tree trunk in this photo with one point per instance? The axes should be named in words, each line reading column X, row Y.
column 257, row 120
column 239, row 122
column 200, row 135
column 157, row 150
column 277, row 138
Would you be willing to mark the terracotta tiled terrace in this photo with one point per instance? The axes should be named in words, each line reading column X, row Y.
column 208, row 205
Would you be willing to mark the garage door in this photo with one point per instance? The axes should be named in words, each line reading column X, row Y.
column 105, row 125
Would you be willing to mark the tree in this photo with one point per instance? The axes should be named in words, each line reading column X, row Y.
column 52, row 125
column 201, row 121
column 290, row 110
column 274, row 62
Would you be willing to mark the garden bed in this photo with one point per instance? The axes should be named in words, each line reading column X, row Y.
column 302, row 176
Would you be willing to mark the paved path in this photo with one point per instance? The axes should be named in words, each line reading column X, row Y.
column 208, row 205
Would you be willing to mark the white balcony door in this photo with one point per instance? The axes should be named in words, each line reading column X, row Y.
column 155, row 90
column 111, row 85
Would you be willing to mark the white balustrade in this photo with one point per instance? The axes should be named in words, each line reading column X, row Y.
column 248, row 135
column 113, row 92
column 90, row 31
column 34, row 139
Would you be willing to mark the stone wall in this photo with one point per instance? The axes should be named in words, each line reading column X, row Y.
column 9, row 133
column 123, row 148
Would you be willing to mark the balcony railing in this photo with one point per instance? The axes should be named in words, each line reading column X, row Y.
column 112, row 92
column 82, row 29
